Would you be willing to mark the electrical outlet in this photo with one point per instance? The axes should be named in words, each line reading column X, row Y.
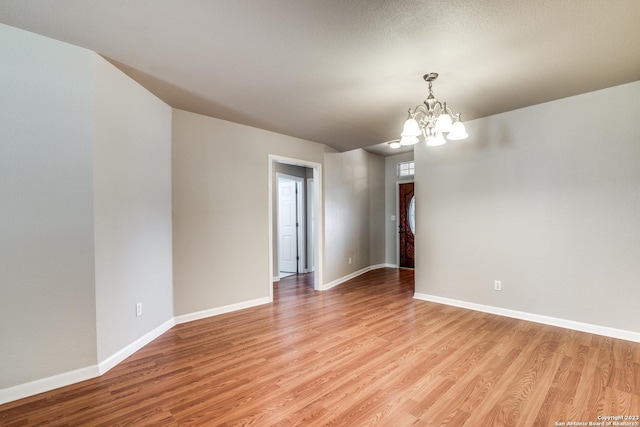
column 349, row 260
column 139, row 309
column 497, row 285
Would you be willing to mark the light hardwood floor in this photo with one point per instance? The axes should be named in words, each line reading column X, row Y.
column 360, row 354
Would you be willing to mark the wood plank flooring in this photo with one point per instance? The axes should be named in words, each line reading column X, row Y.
column 363, row 353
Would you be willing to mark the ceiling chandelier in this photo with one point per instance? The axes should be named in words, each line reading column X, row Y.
column 431, row 119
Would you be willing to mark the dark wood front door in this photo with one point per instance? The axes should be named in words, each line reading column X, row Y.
column 407, row 204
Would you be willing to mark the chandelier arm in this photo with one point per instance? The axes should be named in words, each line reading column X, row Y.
column 438, row 108
column 449, row 111
column 421, row 108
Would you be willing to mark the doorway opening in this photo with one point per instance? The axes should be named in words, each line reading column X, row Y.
column 312, row 239
column 406, row 225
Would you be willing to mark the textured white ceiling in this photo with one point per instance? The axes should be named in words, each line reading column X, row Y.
column 345, row 72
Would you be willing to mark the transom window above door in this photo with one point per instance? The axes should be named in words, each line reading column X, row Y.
column 406, row 169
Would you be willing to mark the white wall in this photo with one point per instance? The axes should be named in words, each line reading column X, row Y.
column 221, row 210
column 391, row 203
column 132, row 194
column 545, row 199
column 47, row 293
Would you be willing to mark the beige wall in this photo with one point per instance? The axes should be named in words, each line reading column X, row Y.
column 353, row 186
column 132, row 194
column 376, row 209
column 47, row 293
column 545, row 199
column 85, row 178
column 221, row 209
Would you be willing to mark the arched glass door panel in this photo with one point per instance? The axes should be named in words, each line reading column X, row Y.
column 412, row 215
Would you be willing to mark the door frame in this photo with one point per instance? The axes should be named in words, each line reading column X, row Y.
column 318, row 206
column 397, row 230
column 301, row 242
column 310, row 223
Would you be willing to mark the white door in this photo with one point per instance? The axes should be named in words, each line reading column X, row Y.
column 287, row 225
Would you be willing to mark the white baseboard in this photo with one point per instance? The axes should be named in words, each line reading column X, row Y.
column 537, row 318
column 220, row 310
column 127, row 351
column 67, row 378
column 276, row 279
column 351, row 276
column 47, row 384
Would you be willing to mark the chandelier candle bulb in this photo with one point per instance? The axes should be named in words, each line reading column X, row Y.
column 444, row 122
column 458, row 131
column 411, row 128
column 409, row 140
column 434, row 141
